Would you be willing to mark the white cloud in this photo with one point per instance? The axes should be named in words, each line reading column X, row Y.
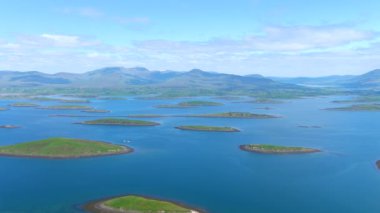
column 281, row 51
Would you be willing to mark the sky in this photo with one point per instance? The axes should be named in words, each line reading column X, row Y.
column 268, row 37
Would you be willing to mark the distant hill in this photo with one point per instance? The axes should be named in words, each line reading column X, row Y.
column 367, row 80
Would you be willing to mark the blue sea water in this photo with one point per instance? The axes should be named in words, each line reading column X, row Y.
column 201, row 169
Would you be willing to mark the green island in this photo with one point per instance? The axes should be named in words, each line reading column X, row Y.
column 378, row 164
column 96, row 111
column 9, row 127
column 23, row 104
column 208, row 128
column 136, row 204
column 119, row 122
column 63, row 148
column 187, row 104
column 358, row 107
column 265, row 101
column 234, row 115
column 273, row 149
column 67, row 107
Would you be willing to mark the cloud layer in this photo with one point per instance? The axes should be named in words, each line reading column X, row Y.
column 281, row 51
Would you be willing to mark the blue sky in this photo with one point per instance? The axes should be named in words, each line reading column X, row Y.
column 269, row 37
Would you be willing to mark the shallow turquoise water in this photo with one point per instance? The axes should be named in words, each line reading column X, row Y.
column 201, row 169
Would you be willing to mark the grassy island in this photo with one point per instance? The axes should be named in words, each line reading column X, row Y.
column 273, row 149
column 187, row 104
column 96, row 111
column 235, row 115
column 119, row 122
column 63, row 148
column 136, row 204
column 358, row 107
column 208, row 128
column 67, row 107
column 23, row 104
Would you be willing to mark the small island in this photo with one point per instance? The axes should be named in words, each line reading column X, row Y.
column 147, row 116
column 273, row 149
column 3, row 109
column 23, row 104
column 67, row 107
column 358, row 107
column 8, row 126
column 235, row 115
column 63, row 148
column 96, row 111
column 188, row 104
column 208, row 128
column 136, row 204
column 119, row 122
column 378, row 164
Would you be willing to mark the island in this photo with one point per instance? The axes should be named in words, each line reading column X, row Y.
column 66, row 107
column 208, row 128
column 234, row 115
column 96, row 111
column 273, row 149
column 307, row 127
column 378, row 164
column 187, row 104
column 63, row 148
column 136, row 204
column 23, row 104
column 358, row 107
column 147, row 116
column 8, row 127
column 119, row 122
column 3, row 109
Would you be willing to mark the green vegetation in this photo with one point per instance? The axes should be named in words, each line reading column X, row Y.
column 358, row 107
column 62, row 148
column 96, row 111
column 67, row 107
column 360, row 99
column 265, row 101
column 273, row 149
column 119, row 122
column 208, row 128
column 136, row 204
column 235, row 115
column 24, row 104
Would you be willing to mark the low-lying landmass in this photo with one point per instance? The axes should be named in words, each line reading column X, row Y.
column 136, row 204
column 358, row 107
column 378, row 164
column 67, row 107
column 208, row 128
column 23, row 104
column 3, row 108
column 306, row 126
column 119, row 122
column 187, row 104
column 273, row 149
column 60, row 100
column 8, row 126
column 96, row 111
column 63, row 148
column 234, row 115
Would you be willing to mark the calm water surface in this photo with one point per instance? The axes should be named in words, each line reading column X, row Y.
column 201, row 169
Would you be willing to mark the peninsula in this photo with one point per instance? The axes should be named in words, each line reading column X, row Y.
column 208, row 128
column 23, row 104
column 234, row 115
column 136, row 204
column 63, row 148
column 358, row 107
column 273, row 149
column 119, row 122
